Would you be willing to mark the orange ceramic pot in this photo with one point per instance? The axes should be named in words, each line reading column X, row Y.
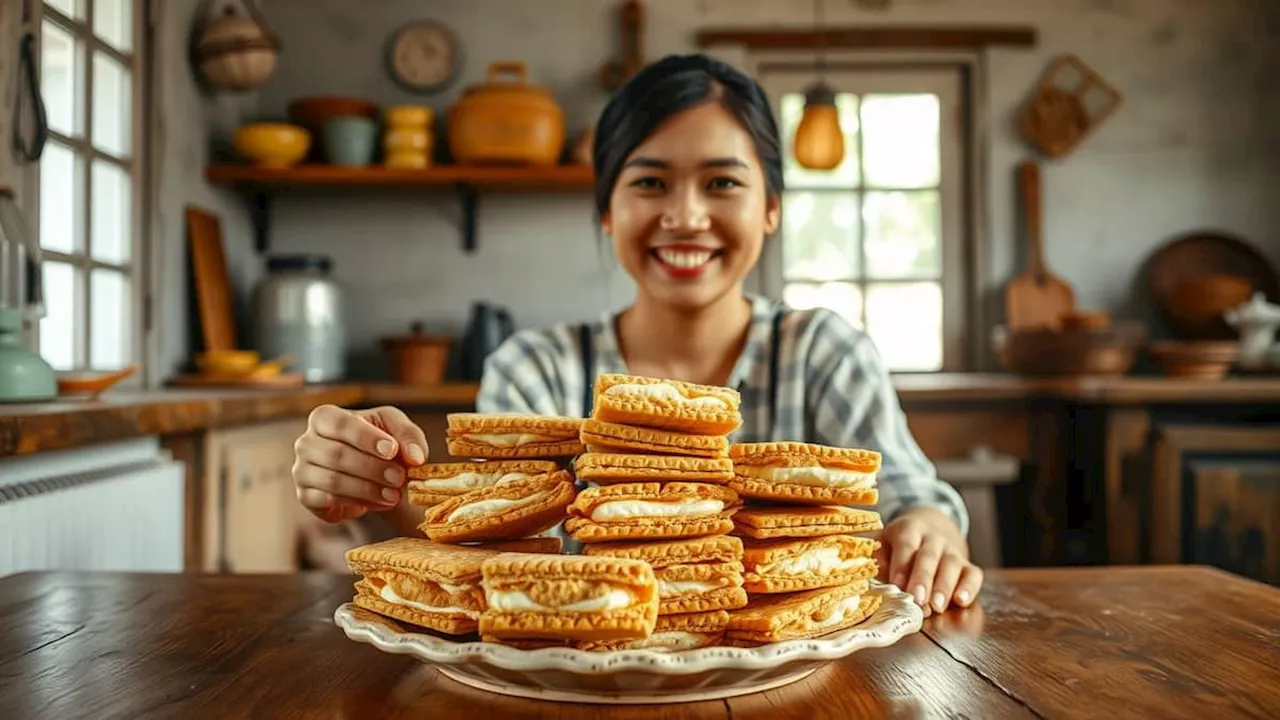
column 506, row 122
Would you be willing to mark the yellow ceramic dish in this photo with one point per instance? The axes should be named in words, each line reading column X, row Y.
column 272, row 145
column 228, row 362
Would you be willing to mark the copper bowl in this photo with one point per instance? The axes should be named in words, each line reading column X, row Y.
column 312, row 112
column 1097, row 352
column 1205, row 360
column 1196, row 307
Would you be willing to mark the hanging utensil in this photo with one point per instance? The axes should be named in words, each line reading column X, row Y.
column 28, row 148
column 1035, row 297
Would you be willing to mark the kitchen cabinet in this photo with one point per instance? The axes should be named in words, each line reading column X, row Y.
column 251, row 513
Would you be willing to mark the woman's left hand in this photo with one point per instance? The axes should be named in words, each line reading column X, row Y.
column 923, row 552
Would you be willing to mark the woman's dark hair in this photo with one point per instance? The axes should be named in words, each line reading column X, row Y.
column 672, row 85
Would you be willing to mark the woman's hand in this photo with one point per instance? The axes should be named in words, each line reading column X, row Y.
column 923, row 552
column 349, row 462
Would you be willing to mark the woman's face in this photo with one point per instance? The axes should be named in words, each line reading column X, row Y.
column 689, row 211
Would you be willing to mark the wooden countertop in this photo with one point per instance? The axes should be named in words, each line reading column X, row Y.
column 66, row 423
column 1156, row 642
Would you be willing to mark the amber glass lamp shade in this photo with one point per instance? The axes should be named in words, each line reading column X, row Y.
column 819, row 143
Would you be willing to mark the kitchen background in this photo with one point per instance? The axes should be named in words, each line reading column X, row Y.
column 1194, row 145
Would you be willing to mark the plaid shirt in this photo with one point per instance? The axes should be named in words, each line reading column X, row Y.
column 832, row 389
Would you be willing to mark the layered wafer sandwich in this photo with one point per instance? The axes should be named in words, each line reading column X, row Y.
column 808, row 614
column 420, row 582
column 805, row 473
column 651, row 511
column 613, row 468
column 434, row 483
column 509, row 511
column 791, row 565
column 666, row 404
column 599, row 436
column 547, row 545
column 694, row 575
column 567, row 598
column 477, row 435
column 803, row 521
column 687, row 631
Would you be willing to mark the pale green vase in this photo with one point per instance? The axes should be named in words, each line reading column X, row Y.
column 24, row 375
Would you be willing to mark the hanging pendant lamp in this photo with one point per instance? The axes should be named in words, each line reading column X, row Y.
column 819, row 142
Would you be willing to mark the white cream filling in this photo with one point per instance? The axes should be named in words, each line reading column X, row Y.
column 672, row 588
column 455, row 589
column 846, row 606
column 471, row 480
column 519, row 601
column 511, row 439
column 627, row 509
column 394, row 598
column 673, row 640
column 812, row 476
column 819, row 560
column 665, row 391
column 492, row 505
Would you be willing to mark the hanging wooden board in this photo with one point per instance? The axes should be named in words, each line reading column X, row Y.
column 212, row 282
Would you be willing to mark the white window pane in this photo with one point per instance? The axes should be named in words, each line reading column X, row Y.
column 62, row 80
column 113, row 22
column 71, row 8
column 845, row 299
column 112, row 106
column 905, row 321
column 846, row 173
column 112, row 226
column 900, row 140
column 111, row 326
column 903, row 234
column 59, row 336
column 820, row 235
column 61, row 198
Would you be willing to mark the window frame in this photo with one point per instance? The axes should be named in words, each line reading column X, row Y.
column 966, row 279
column 136, row 269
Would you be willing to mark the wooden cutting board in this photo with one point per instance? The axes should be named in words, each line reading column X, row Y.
column 212, row 283
column 1035, row 297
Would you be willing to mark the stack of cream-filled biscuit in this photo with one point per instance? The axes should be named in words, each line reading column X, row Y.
column 806, row 570
column 514, row 490
column 658, row 464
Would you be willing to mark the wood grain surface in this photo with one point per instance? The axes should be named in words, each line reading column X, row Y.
column 1165, row 642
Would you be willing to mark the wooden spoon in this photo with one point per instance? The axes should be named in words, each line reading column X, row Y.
column 1035, row 297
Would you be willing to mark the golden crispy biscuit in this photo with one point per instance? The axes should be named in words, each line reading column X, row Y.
column 803, row 521
column 653, row 511
column 666, row 404
column 604, row 437
column 540, row 545
column 686, row 631
column 479, row 435
column 568, row 596
column 502, row 512
column 403, row 577
column 808, row 614
column 693, row 575
column 791, row 565
column 436, row 482
column 805, row 473
column 609, row 468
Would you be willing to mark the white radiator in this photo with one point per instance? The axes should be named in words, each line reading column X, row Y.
column 111, row 506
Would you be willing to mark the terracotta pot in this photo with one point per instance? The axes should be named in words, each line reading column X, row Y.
column 418, row 358
column 1201, row 360
column 506, row 122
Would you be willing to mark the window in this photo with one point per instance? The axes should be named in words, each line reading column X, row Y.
column 89, row 216
column 878, row 239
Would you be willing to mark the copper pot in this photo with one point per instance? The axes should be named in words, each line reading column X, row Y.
column 506, row 122
column 418, row 358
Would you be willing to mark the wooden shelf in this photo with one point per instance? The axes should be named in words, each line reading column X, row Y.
column 261, row 185
column 556, row 177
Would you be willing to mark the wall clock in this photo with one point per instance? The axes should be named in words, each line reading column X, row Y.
column 423, row 57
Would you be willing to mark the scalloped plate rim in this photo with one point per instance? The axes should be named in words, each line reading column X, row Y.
column 432, row 649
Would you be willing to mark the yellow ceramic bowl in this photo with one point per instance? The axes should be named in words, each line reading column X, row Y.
column 228, row 362
column 413, row 116
column 272, row 145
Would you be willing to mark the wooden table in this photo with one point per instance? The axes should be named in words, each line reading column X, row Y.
column 1167, row 642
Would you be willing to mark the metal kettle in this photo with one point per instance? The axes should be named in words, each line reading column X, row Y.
column 488, row 327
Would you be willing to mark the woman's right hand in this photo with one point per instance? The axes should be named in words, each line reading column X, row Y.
column 349, row 462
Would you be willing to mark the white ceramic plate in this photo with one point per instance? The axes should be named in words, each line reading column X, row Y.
column 634, row 676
